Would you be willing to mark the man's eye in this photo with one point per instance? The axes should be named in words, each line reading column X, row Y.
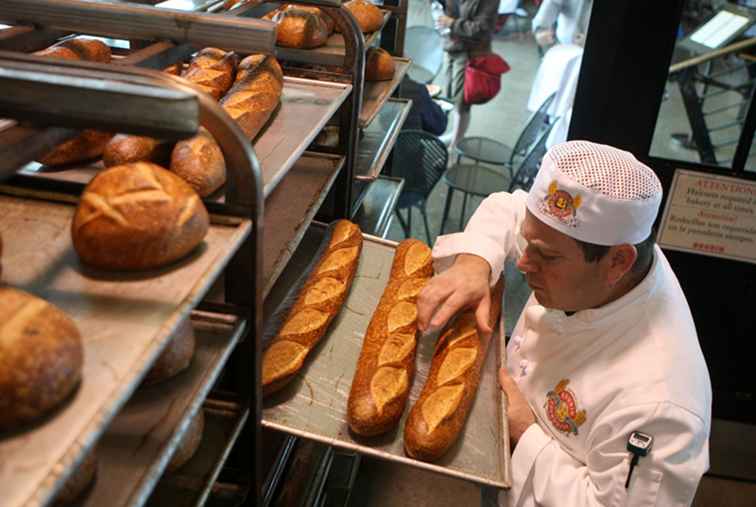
column 549, row 257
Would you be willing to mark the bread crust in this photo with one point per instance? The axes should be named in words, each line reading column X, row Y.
column 176, row 357
column 369, row 17
column 137, row 216
column 386, row 365
column 199, row 161
column 317, row 304
column 41, row 357
column 125, row 149
column 379, row 65
column 436, row 419
column 190, row 442
column 256, row 93
column 300, row 28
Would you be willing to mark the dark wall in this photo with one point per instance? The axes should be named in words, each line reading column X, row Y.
column 622, row 79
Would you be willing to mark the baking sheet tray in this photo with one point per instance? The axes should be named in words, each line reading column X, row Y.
column 306, row 106
column 141, row 439
column 124, row 320
column 379, row 137
column 314, row 405
column 377, row 92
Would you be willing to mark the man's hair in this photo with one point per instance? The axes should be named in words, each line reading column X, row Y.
column 594, row 253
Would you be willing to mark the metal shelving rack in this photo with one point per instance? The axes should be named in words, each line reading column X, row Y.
column 278, row 184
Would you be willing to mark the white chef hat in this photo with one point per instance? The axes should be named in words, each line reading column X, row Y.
column 595, row 193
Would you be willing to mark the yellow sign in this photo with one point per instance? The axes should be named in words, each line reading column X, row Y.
column 712, row 215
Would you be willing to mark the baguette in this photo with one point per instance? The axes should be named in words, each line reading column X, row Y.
column 256, row 93
column 316, row 306
column 90, row 143
column 386, row 366
column 41, row 357
column 436, row 419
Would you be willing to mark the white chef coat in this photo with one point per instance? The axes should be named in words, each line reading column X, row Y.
column 571, row 17
column 594, row 377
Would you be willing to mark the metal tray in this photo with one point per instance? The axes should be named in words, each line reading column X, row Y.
column 379, row 137
column 140, row 441
column 314, row 405
column 144, row 307
column 377, row 92
column 306, row 106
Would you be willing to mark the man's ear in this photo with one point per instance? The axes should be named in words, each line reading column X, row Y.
column 621, row 260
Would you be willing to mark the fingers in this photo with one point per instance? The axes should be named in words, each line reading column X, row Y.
column 430, row 298
column 483, row 315
column 506, row 382
column 453, row 304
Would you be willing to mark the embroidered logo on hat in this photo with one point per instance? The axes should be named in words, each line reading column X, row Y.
column 561, row 205
column 561, row 408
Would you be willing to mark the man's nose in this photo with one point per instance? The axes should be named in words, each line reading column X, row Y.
column 525, row 264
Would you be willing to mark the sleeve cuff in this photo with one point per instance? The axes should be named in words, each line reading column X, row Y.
column 528, row 448
column 449, row 246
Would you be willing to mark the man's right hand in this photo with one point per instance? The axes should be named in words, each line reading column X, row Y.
column 464, row 285
column 544, row 37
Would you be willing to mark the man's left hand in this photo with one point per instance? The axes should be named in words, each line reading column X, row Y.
column 519, row 413
column 444, row 21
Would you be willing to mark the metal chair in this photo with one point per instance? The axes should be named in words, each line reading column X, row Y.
column 481, row 181
column 484, row 149
column 424, row 46
column 420, row 159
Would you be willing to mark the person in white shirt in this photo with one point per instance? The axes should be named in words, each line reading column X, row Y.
column 571, row 18
column 605, row 346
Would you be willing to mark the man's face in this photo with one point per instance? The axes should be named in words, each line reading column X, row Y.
column 556, row 270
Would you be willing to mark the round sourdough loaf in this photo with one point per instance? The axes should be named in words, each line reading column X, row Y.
column 79, row 481
column 137, row 216
column 189, row 443
column 379, row 65
column 41, row 357
column 368, row 16
column 176, row 357
column 199, row 162
column 300, row 28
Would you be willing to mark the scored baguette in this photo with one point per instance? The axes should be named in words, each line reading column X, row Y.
column 436, row 419
column 386, row 366
column 256, row 93
column 317, row 304
column 90, row 143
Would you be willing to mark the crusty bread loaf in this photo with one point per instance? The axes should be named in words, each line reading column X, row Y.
column 368, row 16
column 125, row 149
column 436, row 419
column 299, row 28
column 90, row 143
column 175, row 358
column 212, row 70
column 379, row 66
column 318, row 303
column 78, row 482
column 190, row 442
column 328, row 20
column 137, row 216
column 199, row 162
column 41, row 357
column 256, row 93
column 386, row 366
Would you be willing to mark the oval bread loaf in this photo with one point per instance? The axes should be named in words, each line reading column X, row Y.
column 317, row 305
column 386, row 366
column 189, row 443
column 126, row 148
column 327, row 20
column 436, row 419
column 176, row 357
column 300, row 28
column 368, row 16
column 379, row 65
column 256, row 93
column 41, row 357
column 199, row 161
column 90, row 143
column 137, row 216
column 78, row 482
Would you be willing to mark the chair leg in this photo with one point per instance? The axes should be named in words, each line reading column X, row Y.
column 402, row 223
column 425, row 220
column 462, row 214
column 447, row 206
column 409, row 222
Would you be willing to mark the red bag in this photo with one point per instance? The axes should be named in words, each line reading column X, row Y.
column 483, row 78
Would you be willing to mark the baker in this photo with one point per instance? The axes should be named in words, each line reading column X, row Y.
column 609, row 398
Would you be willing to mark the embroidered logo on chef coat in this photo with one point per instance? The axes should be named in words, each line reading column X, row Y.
column 561, row 407
column 561, row 205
